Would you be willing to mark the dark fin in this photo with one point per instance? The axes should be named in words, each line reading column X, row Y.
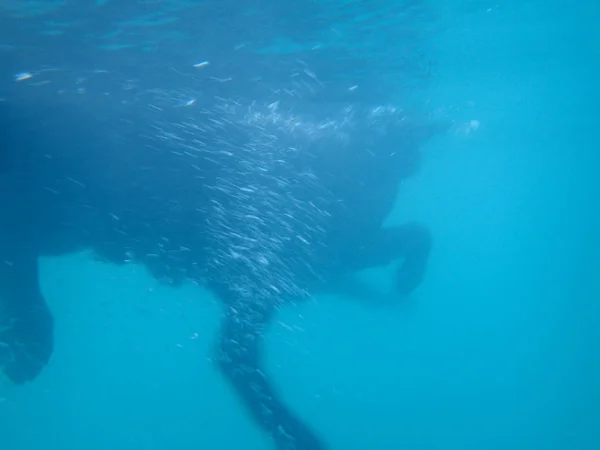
column 26, row 324
column 410, row 242
column 240, row 357
column 416, row 242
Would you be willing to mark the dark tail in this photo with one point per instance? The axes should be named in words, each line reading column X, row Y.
column 240, row 356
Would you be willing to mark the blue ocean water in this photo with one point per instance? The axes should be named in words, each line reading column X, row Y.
column 497, row 349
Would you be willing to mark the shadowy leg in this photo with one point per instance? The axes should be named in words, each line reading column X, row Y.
column 26, row 324
column 240, row 360
column 410, row 242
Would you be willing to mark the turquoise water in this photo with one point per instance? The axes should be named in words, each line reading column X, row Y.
column 499, row 347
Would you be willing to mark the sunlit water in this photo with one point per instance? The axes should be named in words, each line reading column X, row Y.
column 498, row 348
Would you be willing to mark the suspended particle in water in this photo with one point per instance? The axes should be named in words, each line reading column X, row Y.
column 22, row 76
column 474, row 125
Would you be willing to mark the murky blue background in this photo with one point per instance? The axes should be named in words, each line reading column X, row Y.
column 498, row 349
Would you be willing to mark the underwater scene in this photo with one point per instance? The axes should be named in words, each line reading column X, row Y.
column 299, row 225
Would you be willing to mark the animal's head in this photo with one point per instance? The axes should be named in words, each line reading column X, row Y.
column 392, row 140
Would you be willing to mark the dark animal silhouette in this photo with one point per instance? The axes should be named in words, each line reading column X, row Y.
column 260, row 205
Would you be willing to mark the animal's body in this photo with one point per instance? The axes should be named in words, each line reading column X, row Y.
column 260, row 205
